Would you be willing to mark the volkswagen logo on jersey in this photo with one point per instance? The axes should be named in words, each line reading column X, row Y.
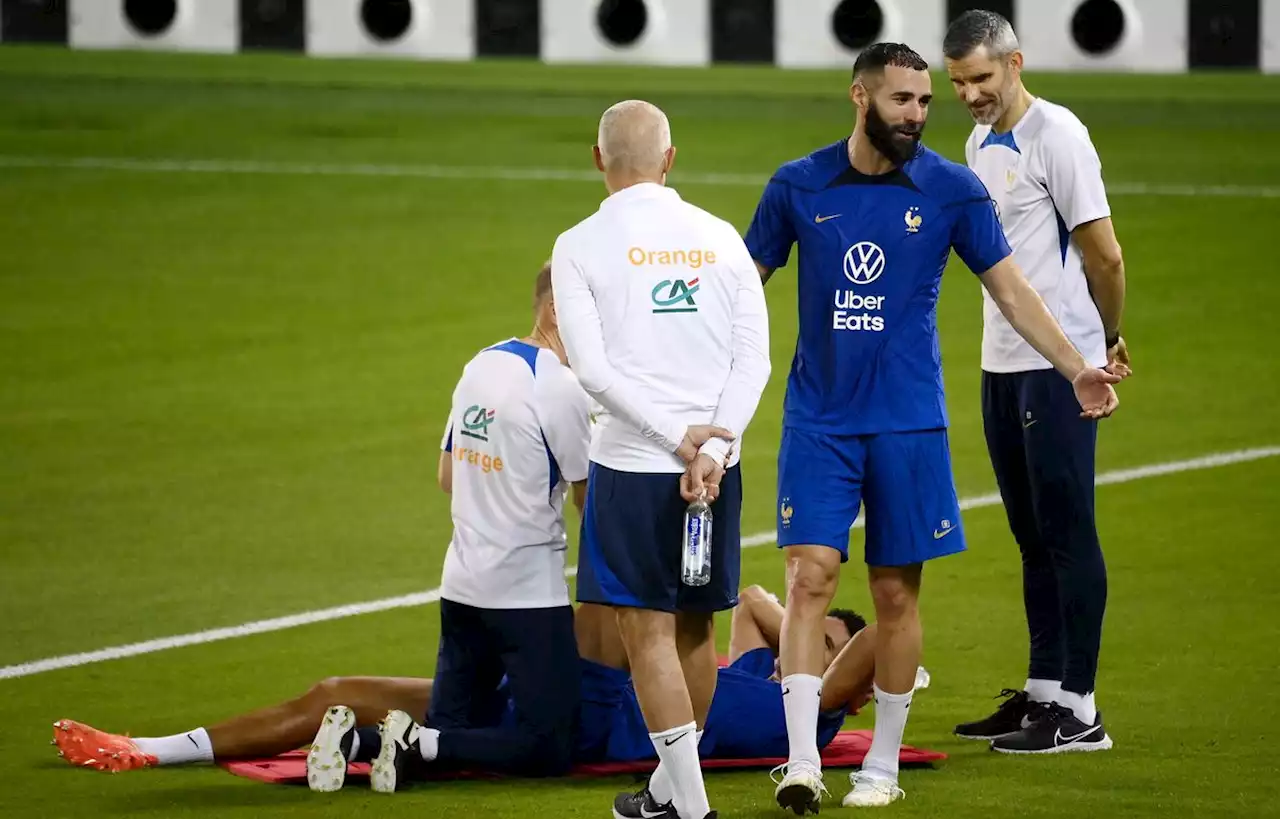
column 863, row 263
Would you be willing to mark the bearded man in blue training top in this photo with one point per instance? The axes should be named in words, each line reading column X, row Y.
column 875, row 217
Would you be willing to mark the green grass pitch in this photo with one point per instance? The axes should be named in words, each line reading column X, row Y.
column 221, row 393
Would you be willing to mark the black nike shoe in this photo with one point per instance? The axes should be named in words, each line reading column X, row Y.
column 641, row 805
column 1017, row 712
column 1057, row 731
column 400, row 749
column 330, row 751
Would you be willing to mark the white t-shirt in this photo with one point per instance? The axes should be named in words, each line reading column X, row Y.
column 663, row 316
column 519, row 433
column 1046, row 180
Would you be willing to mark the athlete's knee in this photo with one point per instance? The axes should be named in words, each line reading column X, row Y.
column 895, row 592
column 327, row 692
column 812, row 575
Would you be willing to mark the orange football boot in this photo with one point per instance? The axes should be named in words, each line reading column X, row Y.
column 87, row 747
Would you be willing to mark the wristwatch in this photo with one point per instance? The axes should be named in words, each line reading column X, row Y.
column 1113, row 340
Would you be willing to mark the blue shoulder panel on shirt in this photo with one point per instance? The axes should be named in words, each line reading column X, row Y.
column 518, row 348
column 530, row 355
column 1006, row 139
column 815, row 171
column 949, row 183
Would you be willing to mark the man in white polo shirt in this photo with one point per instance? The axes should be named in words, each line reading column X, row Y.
column 1041, row 169
column 517, row 434
column 664, row 320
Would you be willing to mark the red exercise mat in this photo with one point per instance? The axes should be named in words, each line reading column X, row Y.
column 847, row 750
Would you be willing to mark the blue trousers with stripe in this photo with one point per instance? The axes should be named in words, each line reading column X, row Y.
column 1043, row 455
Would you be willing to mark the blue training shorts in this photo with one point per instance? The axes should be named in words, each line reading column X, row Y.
column 903, row 478
column 747, row 719
column 605, row 693
column 630, row 549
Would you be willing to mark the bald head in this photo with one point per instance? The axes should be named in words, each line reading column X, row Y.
column 634, row 140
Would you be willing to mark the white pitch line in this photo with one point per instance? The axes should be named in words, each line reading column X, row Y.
column 513, row 174
column 423, row 598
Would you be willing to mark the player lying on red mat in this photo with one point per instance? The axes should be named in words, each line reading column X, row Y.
column 746, row 718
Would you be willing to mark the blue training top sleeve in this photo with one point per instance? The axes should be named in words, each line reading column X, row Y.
column 772, row 232
column 976, row 233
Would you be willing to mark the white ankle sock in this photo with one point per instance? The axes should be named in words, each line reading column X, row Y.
column 891, row 721
column 179, row 749
column 801, row 698
column 660, row 786
column 355, row 745
column 1042, row 690
column 678, row 753
column 1081, row 705
column 429, row 743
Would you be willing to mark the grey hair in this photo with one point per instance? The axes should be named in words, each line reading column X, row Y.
column 634, row 136
column 975, row 29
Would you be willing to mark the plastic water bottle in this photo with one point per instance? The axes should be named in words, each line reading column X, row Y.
column 695, row 560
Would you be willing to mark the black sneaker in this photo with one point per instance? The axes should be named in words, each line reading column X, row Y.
column 400, row 749
column 641, row 805
column 1057, row 731
column 331, row 750
column 1017, row 712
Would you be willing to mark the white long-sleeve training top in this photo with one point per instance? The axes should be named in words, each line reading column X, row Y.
column 663, row 316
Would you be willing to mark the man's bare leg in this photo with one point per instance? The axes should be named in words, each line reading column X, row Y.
column 279, row 728
column 266, row 732
column 695, row 643
column 813, row 573
column 595, row 627
column 896, row 594
column 662, row 691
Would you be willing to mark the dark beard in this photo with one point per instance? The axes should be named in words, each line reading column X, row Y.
column 896, row 144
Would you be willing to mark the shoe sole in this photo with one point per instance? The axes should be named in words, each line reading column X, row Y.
column 383, row 774
column 985, row 738
column 797, row 799
column 849, row 804
column 326, row 767
column 1104, row 744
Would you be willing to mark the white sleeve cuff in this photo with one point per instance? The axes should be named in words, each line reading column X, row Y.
column 717, row 449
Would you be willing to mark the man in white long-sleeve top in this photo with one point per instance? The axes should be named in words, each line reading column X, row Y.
column 664, row 320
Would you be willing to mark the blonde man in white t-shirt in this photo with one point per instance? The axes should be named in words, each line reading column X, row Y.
column 517, row 437
column 1041, row 169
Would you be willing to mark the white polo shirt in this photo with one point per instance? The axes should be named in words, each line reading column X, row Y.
column 518, row 432
column 663, row 316
column 1046, row 180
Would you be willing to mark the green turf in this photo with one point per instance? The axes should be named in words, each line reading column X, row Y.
column 220, row 397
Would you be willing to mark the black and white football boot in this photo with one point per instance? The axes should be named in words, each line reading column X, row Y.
column 1017, row 712
column 1057, row 731
column 399, row 753
column 641, row 805
column 331, row 750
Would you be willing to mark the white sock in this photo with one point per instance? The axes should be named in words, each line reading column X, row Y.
column 1042, row 690
column 801, row 698
column 678, row 752
column 1080, row 704
column 891, row 721
column 355, row 745
column 429, row 743
column 660, row 786
column 179, row 749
